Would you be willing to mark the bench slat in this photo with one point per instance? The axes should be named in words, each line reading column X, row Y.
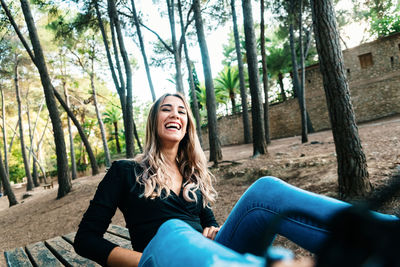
column 17, row 258
column 64, row 250
column 119, row 231
column 41, row 255
column 70, row 237
column 122, row 242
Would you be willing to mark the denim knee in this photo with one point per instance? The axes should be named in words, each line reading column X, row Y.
column 172, row 225
column 267, row 184
column 267, row 181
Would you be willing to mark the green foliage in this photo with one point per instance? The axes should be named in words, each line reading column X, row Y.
column 17, row 172
column 228, row 82
column 385, row 25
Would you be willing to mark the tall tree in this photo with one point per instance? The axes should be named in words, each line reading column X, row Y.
column 101, row 124
column 3, row 112
column 142, row 49
column 243, row 93
column 124, row 89
column 177, row 54
column 264, row 73
column 86, row 57
column 129, row 125
column 259, row 142
column 74, row 173
column 29, row 185
column 215, row 146
column 63, row 72
column 352, row 165
column 302, row 96
column 32, row 129
column 39, row 61
column 192, row 86
column 296, row 82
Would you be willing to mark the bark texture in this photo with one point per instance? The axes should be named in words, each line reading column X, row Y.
column 264, row 73
column 242, row 84
column 128, row 117
column 64, row 183
column 143, row 50
column 176, row 52
column 192, row 86
column 259, row 143
column 215, row 146
column 29, row 185
column 352, row 165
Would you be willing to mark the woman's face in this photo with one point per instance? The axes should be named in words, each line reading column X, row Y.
column 172, row 120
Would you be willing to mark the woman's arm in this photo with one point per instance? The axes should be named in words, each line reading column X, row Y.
column 123, row 257
column 89, row 241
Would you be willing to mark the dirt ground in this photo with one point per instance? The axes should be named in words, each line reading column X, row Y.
column 311, row 166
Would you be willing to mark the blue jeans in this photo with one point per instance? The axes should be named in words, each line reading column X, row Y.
column 242, row 240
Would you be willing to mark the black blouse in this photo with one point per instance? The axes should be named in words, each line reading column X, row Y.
column 143, row 216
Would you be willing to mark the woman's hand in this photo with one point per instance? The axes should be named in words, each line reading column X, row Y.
column 301, row 262
column 211, row 232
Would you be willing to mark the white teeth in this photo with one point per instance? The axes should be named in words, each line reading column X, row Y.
column 173, row 125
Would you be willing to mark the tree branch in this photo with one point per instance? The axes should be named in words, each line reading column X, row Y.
column 17, row 31
column 150, row 30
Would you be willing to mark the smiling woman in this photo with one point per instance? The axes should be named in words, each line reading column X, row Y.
column 165, row 197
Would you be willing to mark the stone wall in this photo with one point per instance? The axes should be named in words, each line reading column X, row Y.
column 374, row 90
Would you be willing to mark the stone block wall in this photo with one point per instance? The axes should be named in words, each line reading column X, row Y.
column 374, row 90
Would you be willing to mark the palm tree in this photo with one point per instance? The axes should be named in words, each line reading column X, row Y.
column 113, row 116
column 278, row 63
column 228, row 81
column 220, row 96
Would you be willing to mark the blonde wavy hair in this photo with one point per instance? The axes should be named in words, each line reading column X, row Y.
column 191, row 160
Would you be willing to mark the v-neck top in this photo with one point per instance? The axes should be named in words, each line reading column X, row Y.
column 143, row 216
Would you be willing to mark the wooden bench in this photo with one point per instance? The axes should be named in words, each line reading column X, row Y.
column 58, row 251
column 48, row 186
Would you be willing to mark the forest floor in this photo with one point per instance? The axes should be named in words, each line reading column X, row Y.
column 311, row 166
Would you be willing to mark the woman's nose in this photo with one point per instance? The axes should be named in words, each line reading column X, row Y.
column 174, row 113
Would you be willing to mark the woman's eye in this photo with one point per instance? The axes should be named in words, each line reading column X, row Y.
column 165, row 109
column 182, row 112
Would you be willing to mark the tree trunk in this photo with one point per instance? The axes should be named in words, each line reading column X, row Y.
column 352, row 165
column 302, row 96
column 243, row 93
column 64, row 183
column 146, row 64
column 264, row 75
column 93, row 162
column 29, row 185
column 101, row 124
column 3, row 112
column 233, row 103
column 6, row 184
column 215, row 146
column 177, row 55
column 137, row 138
column 190, row 74
column 74, row 173
column 31, row 131
column 280, row 81
column 119, row 85
column 129, row 132
column 115, row 123
column 259, row 142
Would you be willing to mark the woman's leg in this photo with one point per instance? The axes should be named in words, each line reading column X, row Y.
column 178, row 244
column 246, row 227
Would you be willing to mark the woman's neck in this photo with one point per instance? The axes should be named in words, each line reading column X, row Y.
column 170, row 155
